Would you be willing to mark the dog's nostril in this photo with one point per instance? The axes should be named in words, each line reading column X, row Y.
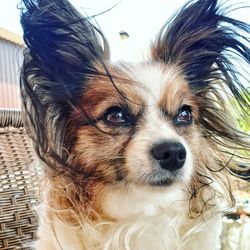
column 167, row 155
column 171, row 155
column 160, row 152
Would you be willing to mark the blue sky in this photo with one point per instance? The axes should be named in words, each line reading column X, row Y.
column 141, row 19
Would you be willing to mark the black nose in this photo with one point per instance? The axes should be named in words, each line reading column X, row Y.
column 170, row 155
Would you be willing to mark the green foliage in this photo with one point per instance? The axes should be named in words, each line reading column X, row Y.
column 244, row 125
column 243, row 117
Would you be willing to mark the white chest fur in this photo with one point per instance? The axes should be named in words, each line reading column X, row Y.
column 153, row 222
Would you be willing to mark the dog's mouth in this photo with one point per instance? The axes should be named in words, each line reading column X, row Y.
column 161, row 182
column 160, row 178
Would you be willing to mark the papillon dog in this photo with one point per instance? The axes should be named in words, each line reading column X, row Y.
column 136, row 156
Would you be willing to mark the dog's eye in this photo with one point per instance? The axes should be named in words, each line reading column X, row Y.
column 184, row 116
column 115, row 116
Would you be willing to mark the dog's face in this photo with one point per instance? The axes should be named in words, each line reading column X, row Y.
column 146, row 133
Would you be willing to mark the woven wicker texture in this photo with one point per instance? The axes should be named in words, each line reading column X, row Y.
column 18, row 184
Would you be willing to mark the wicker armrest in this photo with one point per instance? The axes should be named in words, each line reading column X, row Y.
column 18, row 184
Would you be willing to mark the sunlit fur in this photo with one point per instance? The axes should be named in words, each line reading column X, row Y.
column 102, row 189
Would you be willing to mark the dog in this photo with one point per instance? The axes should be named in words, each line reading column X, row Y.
column 135, row 155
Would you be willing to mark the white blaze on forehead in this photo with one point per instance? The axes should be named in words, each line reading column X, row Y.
column 154, row 77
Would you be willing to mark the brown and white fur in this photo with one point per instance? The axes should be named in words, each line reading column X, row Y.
column 135, row 156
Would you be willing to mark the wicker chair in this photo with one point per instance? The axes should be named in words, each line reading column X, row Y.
column 18, row 184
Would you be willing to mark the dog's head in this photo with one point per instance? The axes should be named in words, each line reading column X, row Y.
column 154, row 124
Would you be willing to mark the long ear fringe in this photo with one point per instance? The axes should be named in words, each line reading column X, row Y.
column 63, row 49
column 204, row 43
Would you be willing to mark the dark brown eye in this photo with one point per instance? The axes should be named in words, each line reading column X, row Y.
column 116, row 116
column 184, row 116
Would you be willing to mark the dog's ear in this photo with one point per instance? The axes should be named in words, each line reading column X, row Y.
column 200, row 36
column 63, row 50
column 63, row 44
